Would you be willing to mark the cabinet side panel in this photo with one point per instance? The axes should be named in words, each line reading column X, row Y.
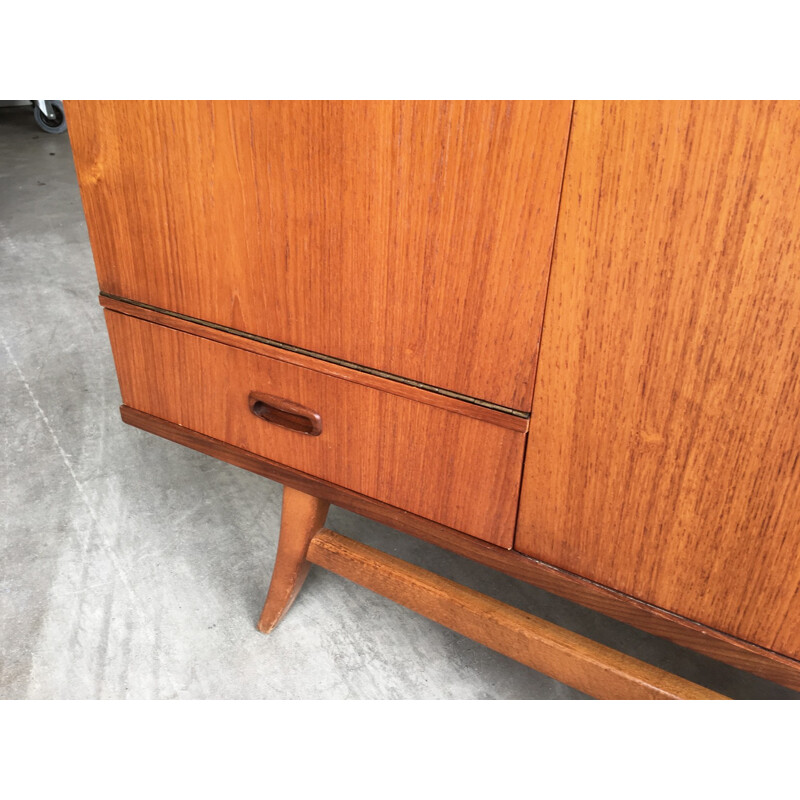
column 409, row 237
column 664, row 452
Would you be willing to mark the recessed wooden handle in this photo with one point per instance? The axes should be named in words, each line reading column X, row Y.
column 285, row 413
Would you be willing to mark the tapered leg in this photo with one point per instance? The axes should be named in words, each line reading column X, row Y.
column 302, row 517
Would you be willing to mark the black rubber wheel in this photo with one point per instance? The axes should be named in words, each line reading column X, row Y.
column 58, row 124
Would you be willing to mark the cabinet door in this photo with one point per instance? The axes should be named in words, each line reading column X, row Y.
column 408, row 237
column 664, row 451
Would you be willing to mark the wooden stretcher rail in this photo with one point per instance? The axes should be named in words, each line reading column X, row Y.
column 570, row 658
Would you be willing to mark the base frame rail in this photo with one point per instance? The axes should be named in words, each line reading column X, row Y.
column 568, row 657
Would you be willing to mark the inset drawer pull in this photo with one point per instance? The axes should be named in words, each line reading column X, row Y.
column 285, row 413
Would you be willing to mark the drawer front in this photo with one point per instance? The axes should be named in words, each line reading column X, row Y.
column 441, row 465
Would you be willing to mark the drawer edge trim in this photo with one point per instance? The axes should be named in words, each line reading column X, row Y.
column 501, row 416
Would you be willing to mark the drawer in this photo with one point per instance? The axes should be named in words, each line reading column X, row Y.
column 446, row 466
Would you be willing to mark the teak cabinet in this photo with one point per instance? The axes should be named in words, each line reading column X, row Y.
column 561, row 339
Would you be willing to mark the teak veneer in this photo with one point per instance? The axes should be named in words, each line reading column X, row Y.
column 209, row 208
column 357, row 299
column 673, row 327
column 207, row 387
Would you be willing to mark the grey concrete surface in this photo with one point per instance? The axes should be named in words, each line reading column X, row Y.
column 131, row 567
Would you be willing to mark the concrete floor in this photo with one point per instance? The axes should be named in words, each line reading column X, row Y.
column 131, row 567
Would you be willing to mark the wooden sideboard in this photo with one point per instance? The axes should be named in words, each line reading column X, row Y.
column 560, row 339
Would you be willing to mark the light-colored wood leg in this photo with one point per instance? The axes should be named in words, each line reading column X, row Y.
column 302, row 516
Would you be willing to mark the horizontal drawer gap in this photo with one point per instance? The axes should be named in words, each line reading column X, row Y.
column 322, row 357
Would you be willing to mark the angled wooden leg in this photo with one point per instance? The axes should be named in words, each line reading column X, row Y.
column 302, row 516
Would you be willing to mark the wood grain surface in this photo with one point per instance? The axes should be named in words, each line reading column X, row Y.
column 460, row 471
column 415, row 393
column 664, row 454
column 411, row 237
column 682, row 631
column 302, row 515
column 570, row 658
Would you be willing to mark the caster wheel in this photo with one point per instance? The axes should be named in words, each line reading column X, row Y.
column 58, row 124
